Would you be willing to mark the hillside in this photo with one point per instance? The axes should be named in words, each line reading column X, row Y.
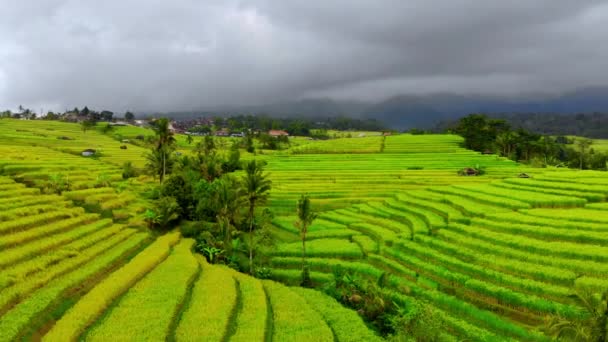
column 407, row 111
column 490, row 256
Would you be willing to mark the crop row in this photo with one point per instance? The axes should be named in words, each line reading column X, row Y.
column 418, row 199
column 589, row 196
column 36, row 220
column 473, row 194
column 543, row 232
column 521, row 284
column 20, row 287
column 346, row 324
column 558, row 185
column 503, row 295
column 214, row 310
column 416, row 223
column 292, row 318
column 522, row 217
column 37, row 247
column 252, row 315
column 49, row 261
column 96, row 301
column 469, row 206
column 320, row 248
column 567, row 265
column 563, row 249
column 532, row 198
column 22, row 237
column 152, row 303
column 431, row 218
column 16, row 213
column 21, row 316
column 576, row 215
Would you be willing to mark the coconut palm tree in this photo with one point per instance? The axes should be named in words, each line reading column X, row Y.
column 305, row 218
column 159, row 162
column 229, row 199
column 256, row 186
column 164, row 141
column 593, row 327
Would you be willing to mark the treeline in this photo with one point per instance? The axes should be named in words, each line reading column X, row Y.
column 488, row 135
column 294, row 126
column 591, row 125
column 72, row 115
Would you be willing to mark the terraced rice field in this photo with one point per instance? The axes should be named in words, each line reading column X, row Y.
column 335, row 179
column 494, row 255
column 499, row 257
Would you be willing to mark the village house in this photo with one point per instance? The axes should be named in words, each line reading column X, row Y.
column 224, row 132
column 277, row 133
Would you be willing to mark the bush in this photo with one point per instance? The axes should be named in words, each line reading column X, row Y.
column 128, row 171
column 190, row 229
column 166, row 210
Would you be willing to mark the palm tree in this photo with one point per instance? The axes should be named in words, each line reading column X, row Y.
column 164, row 140
column 594, row 327
column 159, row 162
column 305, row 218
column 256, row 185
column 228, row 198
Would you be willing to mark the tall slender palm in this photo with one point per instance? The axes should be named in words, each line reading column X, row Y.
column 164, row 140
column 305, row 218
column 256, row 185
column 229, row 198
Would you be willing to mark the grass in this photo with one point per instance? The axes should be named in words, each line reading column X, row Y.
column 346, row 324
column 293, row 319
column 152, row 303
column 251, row 317
column 21, row 316
column 206, row 317
column 94, row 303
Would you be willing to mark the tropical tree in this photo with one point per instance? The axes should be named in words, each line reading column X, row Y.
column 506, row 142
column 85, row 125
column 129, row 116
column 583, row 145
column 164, row 142
column 305, row 218
column 256, row 186
column 229, row 199
column 594, row 327
column 159, row 162
column 166, row 210
column 189, row 139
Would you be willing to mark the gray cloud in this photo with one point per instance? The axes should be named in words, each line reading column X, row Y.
column 186, row 54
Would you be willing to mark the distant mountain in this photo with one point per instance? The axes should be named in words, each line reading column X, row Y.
column 404, row 112
column 424, row 111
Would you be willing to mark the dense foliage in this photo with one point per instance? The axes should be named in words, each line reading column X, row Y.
column 487, row 135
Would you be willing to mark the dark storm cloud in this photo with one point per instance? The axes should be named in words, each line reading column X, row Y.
column 185, row 54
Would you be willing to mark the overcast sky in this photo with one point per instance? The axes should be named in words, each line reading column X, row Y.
column 186, row 54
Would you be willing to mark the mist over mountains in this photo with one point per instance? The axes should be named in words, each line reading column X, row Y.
column 422, row 111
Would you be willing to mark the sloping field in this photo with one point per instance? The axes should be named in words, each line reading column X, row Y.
column 499, row 257
column 494, row 255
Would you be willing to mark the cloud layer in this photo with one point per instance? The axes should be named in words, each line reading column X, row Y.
column 188, row 54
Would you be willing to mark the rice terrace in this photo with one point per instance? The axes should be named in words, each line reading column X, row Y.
column 96, row 248
column 303, row 171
